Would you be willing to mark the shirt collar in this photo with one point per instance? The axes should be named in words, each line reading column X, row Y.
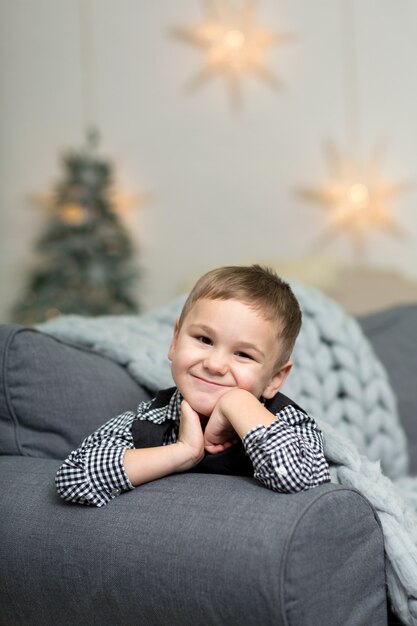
column 174, row 406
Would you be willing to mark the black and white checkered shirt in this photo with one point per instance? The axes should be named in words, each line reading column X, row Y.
column 287, row 456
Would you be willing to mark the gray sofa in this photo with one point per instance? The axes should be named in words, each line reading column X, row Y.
column 191, row 548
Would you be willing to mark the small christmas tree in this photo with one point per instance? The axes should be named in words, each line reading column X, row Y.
column 87, row 265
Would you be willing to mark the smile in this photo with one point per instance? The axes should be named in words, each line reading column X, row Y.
column 208, row 382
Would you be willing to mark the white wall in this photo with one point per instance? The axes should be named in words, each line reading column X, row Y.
column 221, row 183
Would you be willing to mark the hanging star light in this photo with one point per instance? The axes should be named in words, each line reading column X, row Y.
column 233, row 43
column 356, row 198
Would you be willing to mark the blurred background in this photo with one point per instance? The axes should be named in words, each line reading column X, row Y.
column 286, row 138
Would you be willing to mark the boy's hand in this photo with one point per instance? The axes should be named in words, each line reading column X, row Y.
column 219, row 433
column 235, row 414
column 145, row 464
column 190, row 435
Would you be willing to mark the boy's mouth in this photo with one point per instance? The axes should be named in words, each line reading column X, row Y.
column 207, row 381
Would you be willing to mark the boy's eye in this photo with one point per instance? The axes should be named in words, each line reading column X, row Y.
column 244, row 355
column 203, row 339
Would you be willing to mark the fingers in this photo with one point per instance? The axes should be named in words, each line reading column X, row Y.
column 189, row 419
column 214, row 448
column 190, row 431
column 188, row 411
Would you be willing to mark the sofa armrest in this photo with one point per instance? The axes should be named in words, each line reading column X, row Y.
column 187, row 549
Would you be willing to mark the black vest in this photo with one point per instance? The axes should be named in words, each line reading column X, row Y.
column 232, row 461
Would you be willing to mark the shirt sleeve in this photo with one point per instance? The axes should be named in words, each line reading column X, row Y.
column 94, row 473
column 287, row 455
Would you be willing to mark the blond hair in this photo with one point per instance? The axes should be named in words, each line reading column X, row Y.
column 258, row 287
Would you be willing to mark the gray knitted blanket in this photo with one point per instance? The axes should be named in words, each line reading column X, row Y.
column 337, row 378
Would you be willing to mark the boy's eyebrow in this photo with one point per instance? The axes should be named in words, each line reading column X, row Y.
column 245, row 345
column 202, row 327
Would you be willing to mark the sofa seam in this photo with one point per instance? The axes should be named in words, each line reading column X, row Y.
column 9, row 403
column 291, row 536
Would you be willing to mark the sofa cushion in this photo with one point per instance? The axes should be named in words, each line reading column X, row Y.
column 54, row 393
column 393, row 335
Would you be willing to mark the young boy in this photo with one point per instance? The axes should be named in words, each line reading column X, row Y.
column 230, row 356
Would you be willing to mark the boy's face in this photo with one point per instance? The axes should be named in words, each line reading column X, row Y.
column 222, row 345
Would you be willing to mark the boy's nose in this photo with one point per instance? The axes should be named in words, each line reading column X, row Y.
column 215, row 363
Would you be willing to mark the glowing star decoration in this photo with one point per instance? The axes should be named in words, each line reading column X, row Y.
column 234, row 45
column 356, row 198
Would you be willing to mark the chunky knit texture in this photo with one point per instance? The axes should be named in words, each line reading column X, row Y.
column 337, row 378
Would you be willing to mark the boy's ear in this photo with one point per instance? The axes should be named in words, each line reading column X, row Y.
column 174, row 339
column 277, row 381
